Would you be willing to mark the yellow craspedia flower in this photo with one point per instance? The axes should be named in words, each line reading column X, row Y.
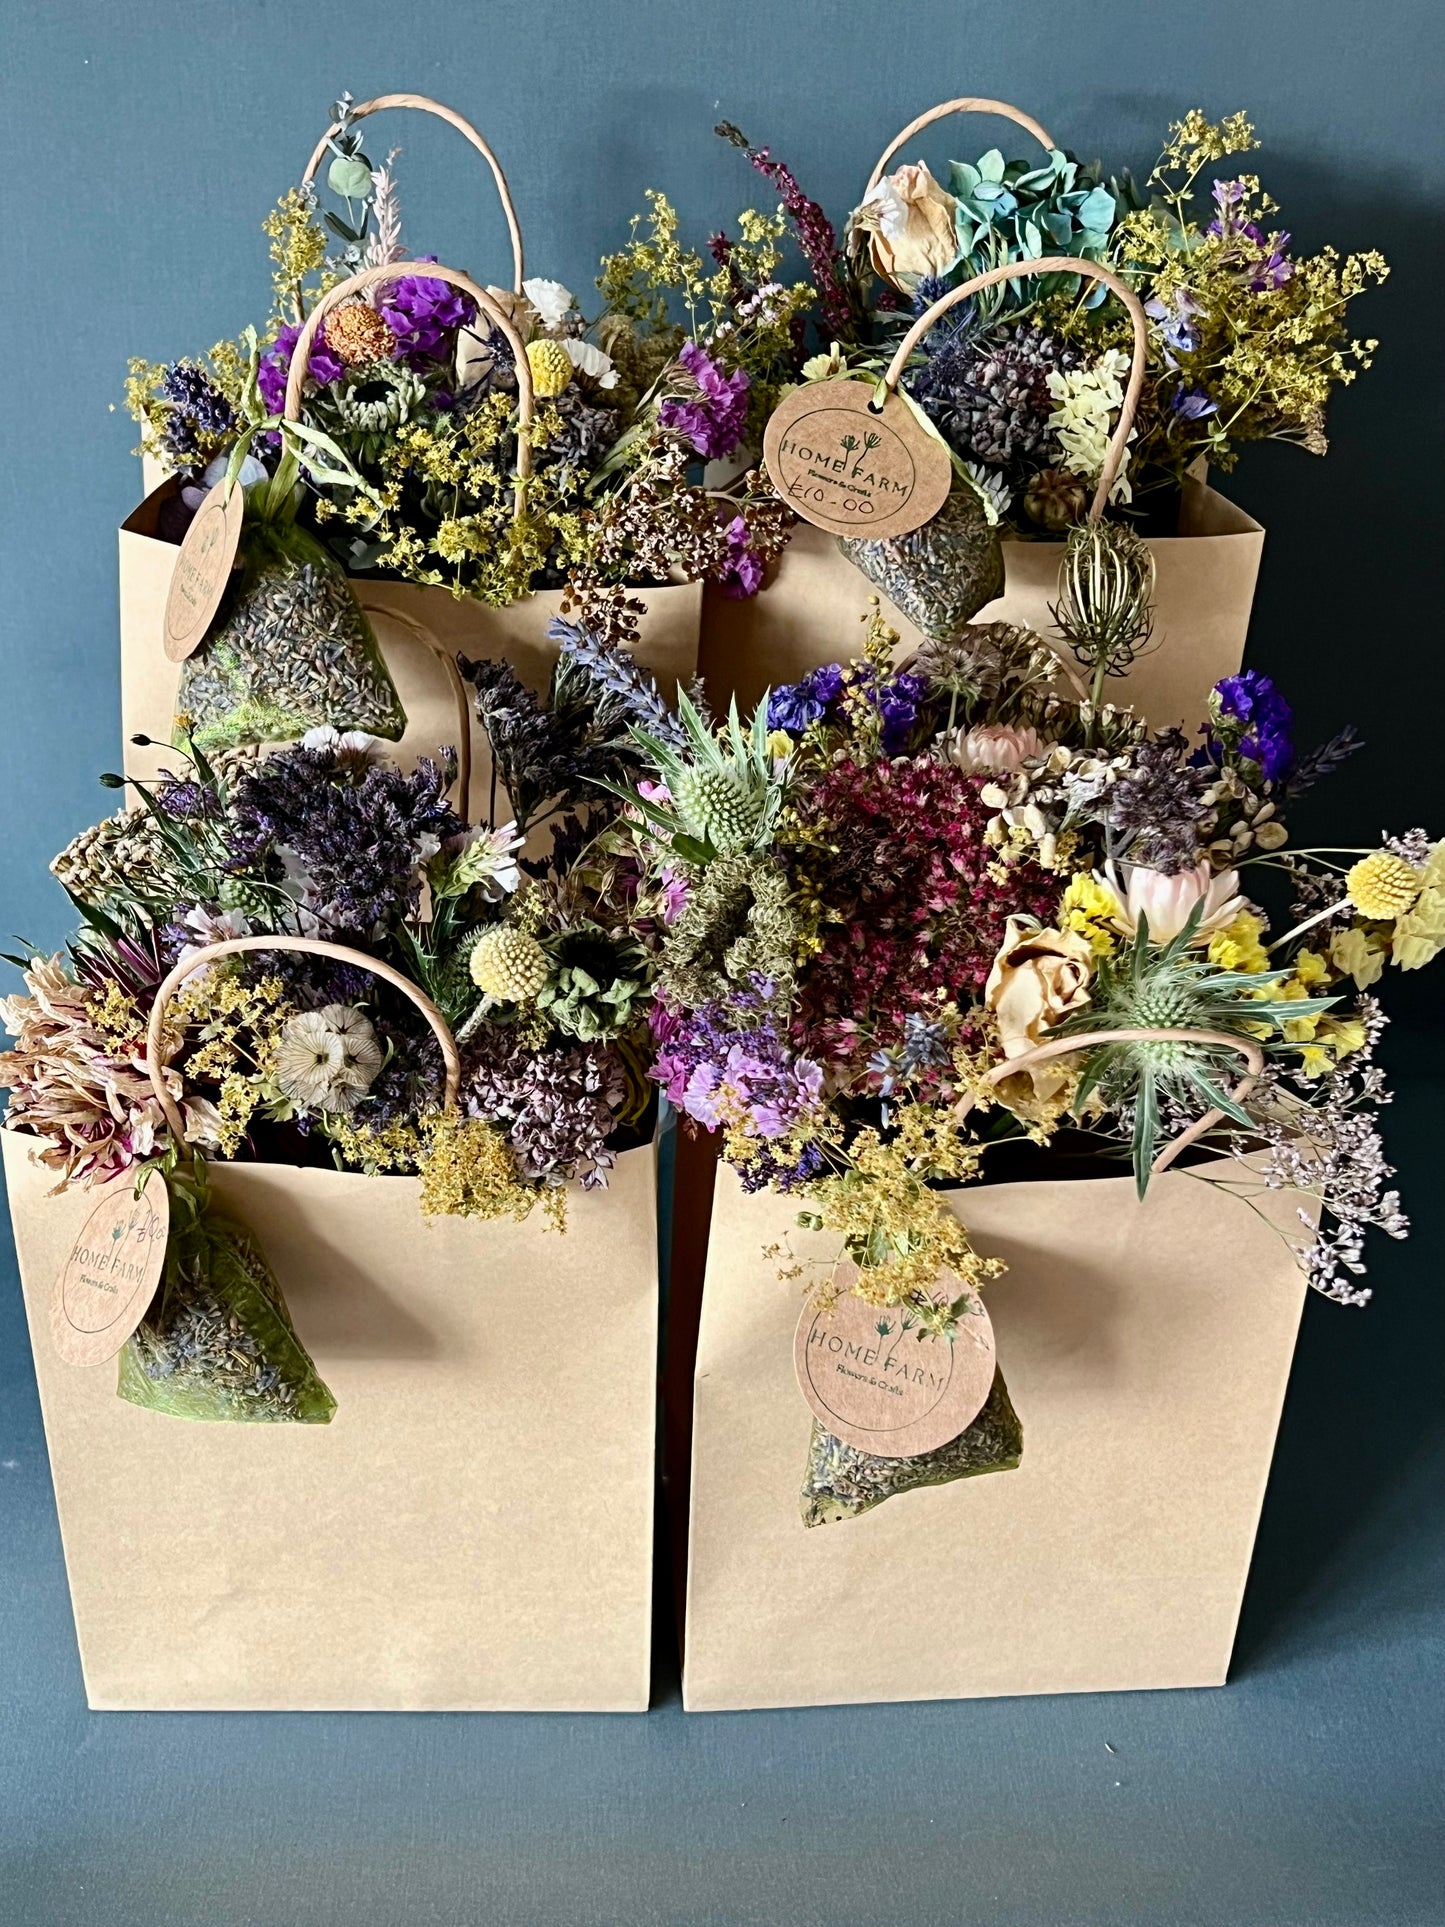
column 1382, row 886
column 1240, row 946
column 1085, row 908
column 507, row 964
column 551, row 367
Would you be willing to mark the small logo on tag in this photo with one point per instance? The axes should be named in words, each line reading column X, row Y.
column 203, row 568
column 853, row 469
column 111, row 1274
column 877, row 1379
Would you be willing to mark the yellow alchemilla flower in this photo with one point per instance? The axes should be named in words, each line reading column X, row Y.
column 1383, row 886
column 1085, row 908
column 1239, row 946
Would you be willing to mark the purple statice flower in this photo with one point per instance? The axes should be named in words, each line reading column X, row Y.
column 743, row 571
column 1192, row 404
column 897, row 703
column 424, row 314
column 712, row 414
column 797, row 704
column 321, row 369
column 1252, row 719
column 723, row 1075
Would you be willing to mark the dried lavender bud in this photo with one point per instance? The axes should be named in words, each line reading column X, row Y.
column 841, row 1481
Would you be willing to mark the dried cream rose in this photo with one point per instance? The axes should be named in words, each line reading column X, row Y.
column 1039, row 976
column 909, row 220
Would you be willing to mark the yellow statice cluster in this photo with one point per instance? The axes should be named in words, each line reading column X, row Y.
column 1240, row 945
column 1087, row 908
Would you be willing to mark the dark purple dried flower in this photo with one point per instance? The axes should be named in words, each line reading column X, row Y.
column 558, row 1106
column 424, row 314
column 817, row 240
column 322, row 367
column 1253, row 720
column 357, row 837
column 713, row 418
column 742, row 573
column 796, row 705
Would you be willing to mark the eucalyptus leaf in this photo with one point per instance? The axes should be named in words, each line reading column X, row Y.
column 991, row 165
column 350, row 177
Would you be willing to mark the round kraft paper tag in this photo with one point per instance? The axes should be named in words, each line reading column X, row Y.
column 203, row 568
column 111, row 1274
column 873, row 1378
column 853, row 470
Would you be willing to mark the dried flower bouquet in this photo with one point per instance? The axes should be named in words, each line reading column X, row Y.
column 914, row 921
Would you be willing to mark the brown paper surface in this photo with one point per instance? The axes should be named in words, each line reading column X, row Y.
column 1146, row 1349
column 811, row 612
column 667, row 645
column 473, row 1530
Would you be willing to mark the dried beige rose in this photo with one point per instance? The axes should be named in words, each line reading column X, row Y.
column 1039, row 977
column 909, row 221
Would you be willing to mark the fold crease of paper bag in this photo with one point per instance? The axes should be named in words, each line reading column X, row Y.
column 812, row 612
column 1146, row 1349
column 472, row 1531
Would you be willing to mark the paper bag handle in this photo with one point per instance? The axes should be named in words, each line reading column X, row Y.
column 396, row 271
column 1066, row 1046
column 310, row 946
column 448, row 660
column 1022, row 270
column 969, row 104
column 453, row 119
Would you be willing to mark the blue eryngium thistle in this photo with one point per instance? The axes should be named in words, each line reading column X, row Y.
column 724, row 787
column 1152, row 986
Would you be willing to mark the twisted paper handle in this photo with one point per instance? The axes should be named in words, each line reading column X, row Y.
column 1052, row 264
column 395, row 271
column 464, row 127
column 969, row 104
column 1066, row 1046
column 310, row 946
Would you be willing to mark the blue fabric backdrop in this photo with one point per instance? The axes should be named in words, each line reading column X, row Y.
column 141, row 146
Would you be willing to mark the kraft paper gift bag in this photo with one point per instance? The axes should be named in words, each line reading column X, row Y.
column 420, row 629
column 813, row 609
column 473, row 1529
column 1146, row 1349
column 809, row 612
